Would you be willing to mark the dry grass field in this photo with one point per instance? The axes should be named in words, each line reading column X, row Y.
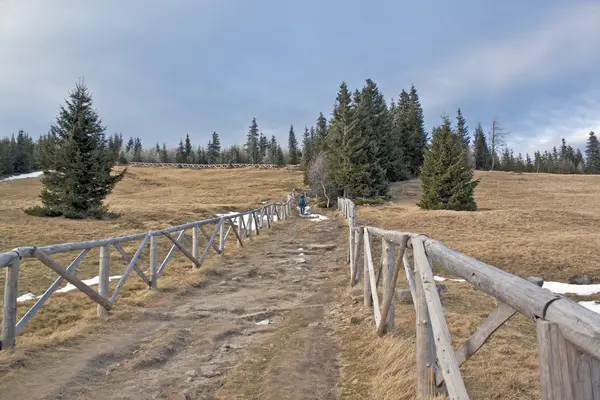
column 528, row 224
column 147, row 199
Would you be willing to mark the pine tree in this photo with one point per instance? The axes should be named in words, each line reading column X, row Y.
column 338, row 155
column 164, row 154
column 446, row 179
column 129, row 146
column 137, row 150
column 188, row 150
column 213, row 149
column 263, row 144
column 180, row 156
column 592, row 154
column 418, row 136
column 366, row 177
column 252, row 143
column 307, row 145
column 462, row 130
column 279, row 157
column 293, row 146
column 321, row 134
column 481, row 150
column 77, row 166
column 528, row 164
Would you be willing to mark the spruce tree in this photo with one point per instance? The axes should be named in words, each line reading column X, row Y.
column 418, row 136
column 164, row 154
column 462, row 130
column 337, row 154
column 292, row 146
column 77, row 164
column 446, row 179
column 592, row 154
column 137, row 150
column 263, row 144
column 252, row 143
column 366, row 176
column 321, row 134
column 180, row 155
column 481, row 150
column 213, row 149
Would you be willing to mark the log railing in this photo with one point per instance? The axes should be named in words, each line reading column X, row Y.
column 568, row 334
column 210, row 166
column 240, row 226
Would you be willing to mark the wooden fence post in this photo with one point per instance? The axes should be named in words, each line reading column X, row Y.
column 103, row 278
column 240, row 231
column 425, row 383
column 368, row 300
column 195, row 241
column 222, row 235
column 389, row 283
column 565, row 371
column 153, row 262
column 9, row 318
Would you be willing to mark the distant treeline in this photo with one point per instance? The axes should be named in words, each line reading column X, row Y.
column 20, row 154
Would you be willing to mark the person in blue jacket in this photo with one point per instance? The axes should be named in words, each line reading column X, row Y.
column 302, row 203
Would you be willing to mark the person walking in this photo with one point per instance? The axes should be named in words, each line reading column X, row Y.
column 302, row 203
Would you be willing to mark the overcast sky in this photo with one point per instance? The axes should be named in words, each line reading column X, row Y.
column 159, row 69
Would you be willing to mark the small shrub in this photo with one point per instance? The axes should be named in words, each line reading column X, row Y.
column 39, row 211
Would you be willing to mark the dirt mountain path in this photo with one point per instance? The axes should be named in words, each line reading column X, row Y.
column 258, row 329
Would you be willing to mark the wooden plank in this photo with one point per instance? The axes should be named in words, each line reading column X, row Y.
column 222, row 236
column 165, row 262
column 425, row 384
column 9, row 317
column 389, row 288
column 555, row 378
column 367, row 299
column 235, row 231
column 256, row 223
column 182, row 248
column 214, row 245
column 579, row 325
column 44, row 297
column 103, row 277
column 240, row 234
column 409, row 277
column 208, row 246
column 443, row 341
column 195, row 242
column 71, row 278
column 154, row 262
column 129, row 268
column 373, row 282
column 127, row 257
column 357, row 256
column 584, row 381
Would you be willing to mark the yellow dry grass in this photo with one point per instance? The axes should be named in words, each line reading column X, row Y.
column 147, row 199
column 528, row 224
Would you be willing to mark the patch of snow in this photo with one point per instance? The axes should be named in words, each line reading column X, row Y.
column 313, row 217
column 591, row 305
column 27, row 297
column 442, row 279
column 93, row 281
column 36, row 174
column 263, row 322
column 564, row 288
column 301, row 254
column 300, row 249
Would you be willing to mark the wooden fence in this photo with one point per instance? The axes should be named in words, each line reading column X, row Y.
column 210, row 166
column 248, row 224
column 568, row 335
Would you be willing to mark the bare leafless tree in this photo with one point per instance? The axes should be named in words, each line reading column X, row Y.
column 319, row 178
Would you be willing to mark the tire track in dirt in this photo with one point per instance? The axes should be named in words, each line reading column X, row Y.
column 201, row 347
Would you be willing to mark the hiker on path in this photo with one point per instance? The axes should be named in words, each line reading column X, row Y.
column 302, row 203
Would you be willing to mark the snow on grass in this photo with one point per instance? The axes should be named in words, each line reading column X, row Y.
column 67, row 288
column 564, row 288
column 591, row 305
column 310, row 216
column 23, row 176
column 442, row 279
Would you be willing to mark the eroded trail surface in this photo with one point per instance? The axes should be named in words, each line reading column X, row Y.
column 257, row 330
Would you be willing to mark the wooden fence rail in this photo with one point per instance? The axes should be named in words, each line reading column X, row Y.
column 568, row 334
column 243, row 225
